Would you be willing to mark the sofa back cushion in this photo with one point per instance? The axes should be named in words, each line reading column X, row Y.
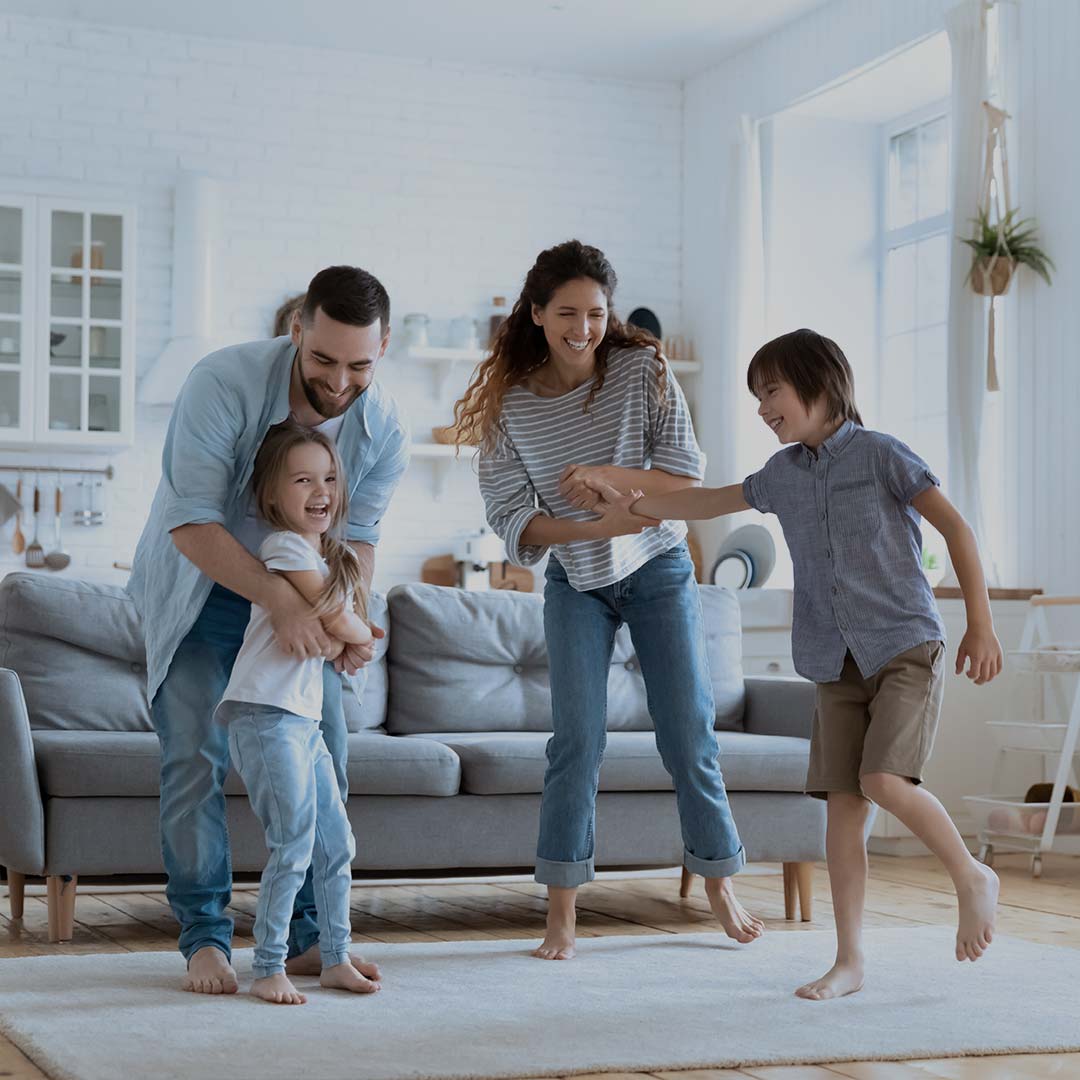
column 77, row 648
column 476, row 661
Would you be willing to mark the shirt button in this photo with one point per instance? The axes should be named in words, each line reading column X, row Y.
column 136, row 668
column 518, row 669
column 828, row 553
column 835, row 590
column 629, row 665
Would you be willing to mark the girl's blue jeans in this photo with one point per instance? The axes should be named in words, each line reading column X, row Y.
column 660, row 604
column 290, row 781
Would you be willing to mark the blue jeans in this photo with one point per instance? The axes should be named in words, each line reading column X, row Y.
column 194, row 764
column 660, row 604
column 290, row 781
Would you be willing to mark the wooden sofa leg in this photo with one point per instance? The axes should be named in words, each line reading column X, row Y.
column 61, row 893
column 804, row 879
column 789, row 890
column 16, row 892
column 686, row 883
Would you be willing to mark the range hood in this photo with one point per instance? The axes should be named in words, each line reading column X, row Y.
column 195, row 217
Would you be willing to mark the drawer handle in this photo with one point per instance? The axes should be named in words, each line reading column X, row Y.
column 773, row 666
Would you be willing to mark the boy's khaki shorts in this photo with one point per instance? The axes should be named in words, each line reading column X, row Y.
column 886, row 723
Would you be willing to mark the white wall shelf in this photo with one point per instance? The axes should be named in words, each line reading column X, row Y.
column 445, row 361
column 442, row 457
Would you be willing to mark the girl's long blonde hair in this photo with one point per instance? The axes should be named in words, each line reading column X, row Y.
column 344, row 578
column 520, row 347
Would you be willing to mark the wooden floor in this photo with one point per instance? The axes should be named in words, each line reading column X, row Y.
column 903, row 892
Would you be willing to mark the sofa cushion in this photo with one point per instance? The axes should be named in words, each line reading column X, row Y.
column 61, row 635
column 99, row 763
column 477, row 661
column 513, row 763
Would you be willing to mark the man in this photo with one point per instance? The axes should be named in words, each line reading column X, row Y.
column 195, row 577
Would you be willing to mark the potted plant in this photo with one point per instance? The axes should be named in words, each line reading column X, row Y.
column 1001, row 247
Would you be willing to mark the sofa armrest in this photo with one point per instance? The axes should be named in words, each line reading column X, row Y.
column 22, row 815
column 779, row 706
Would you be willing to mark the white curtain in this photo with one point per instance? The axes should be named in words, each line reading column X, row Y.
column 742, row 313
column 966, row 25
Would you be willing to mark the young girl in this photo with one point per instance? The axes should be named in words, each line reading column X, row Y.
column 273, row 704
column 570, row 393
column 865, row 627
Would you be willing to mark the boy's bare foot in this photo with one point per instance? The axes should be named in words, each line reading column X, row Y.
column 977, row 901
column 278, row 990
column 839, row 981
column 310, row 963
column 346, row 977
column 209, row 972
column 737, row 922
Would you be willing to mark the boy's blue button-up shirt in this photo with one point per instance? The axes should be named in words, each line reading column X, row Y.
column 856, row 548
column 228, row 403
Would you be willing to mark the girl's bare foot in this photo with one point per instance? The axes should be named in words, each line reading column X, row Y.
column 841, row 979
column 737, row 922
column 209, row 972
column 278, row 990
column 310, row 963
column 977, row 901
column 346, row 977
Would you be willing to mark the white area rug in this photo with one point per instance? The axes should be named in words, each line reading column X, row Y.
column 488, row 1009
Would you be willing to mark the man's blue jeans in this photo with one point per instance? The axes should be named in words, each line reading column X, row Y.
column 660, row 603
column 194, row 764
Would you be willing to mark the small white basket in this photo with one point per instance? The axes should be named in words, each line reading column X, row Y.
column 1047, row 658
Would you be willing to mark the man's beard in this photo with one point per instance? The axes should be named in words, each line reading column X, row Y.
column 324, row 409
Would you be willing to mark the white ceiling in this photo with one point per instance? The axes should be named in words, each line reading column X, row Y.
column 639, row 40
column 910, row 80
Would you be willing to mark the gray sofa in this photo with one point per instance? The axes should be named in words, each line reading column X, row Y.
column 446, row 749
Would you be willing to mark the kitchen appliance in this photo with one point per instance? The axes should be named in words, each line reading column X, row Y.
column 474, row 553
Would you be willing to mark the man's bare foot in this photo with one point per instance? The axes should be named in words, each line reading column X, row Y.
column 278, row 990
column 209, row 972
column 839, row 981
column 737, row 922
column 310, row 963
column 977, row 901
column 346, row 977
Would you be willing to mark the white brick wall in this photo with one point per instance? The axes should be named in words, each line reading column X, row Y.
column 444, row 181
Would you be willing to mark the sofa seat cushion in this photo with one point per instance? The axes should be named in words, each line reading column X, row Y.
column 98, row 763
column 513, row 763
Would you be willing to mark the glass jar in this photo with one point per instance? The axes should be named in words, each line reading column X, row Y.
column 416, row 327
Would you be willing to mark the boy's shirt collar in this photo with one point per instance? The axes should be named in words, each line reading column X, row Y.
column 834, row 445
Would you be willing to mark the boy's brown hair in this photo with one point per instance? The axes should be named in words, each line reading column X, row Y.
column 814, row 365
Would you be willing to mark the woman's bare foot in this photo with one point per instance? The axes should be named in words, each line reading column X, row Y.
column 209, row 972
column 346, row 977
column 977, row 901
column 560, row 935
column 737, row 922
column 310, row 963
column 278, row 990
column 841, row 979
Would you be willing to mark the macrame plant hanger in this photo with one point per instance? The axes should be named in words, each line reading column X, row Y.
column 991, row 277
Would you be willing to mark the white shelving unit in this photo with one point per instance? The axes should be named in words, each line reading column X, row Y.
column 1008, row 822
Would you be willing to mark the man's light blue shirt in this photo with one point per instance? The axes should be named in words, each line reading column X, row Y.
column 228, row 403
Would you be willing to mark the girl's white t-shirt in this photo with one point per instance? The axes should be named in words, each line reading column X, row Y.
column 264, row 674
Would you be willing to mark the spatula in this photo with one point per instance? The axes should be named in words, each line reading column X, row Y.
column 58, row 558
column 35, row 553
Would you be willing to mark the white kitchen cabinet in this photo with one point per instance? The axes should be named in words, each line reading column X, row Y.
column 67, row 323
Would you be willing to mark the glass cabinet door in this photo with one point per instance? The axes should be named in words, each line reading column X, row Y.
column 16, row 320
column 85, row 385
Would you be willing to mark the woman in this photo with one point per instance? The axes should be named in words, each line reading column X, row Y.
column 568, row 396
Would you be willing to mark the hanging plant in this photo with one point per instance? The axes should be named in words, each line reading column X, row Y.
column 999, row 248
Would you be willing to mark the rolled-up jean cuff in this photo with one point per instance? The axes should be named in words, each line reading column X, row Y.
column 266, row 972
column 715, row 867
column 564, row 875
column 220, row 946
column 333, row 959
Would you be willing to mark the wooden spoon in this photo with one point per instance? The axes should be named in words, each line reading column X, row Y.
column 18, row 540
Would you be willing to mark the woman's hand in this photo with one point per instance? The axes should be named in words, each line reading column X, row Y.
column 578, row 485
column 617, row 517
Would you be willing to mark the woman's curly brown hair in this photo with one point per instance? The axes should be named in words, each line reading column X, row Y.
column 520, row 347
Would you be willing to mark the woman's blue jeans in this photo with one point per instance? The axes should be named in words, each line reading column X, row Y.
column 194, row 764
column 660, row 604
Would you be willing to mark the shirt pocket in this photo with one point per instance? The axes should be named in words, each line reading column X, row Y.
column 855, row 505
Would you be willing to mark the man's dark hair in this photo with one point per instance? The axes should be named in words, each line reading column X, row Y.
column 348, row 295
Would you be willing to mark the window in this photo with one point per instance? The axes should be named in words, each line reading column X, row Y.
column 913, row 309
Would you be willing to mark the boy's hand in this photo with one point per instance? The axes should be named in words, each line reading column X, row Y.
column 578, row 485
column 617, row 517
column 981, row 650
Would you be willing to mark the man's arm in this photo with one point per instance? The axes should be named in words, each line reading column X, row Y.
column 219, row 555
